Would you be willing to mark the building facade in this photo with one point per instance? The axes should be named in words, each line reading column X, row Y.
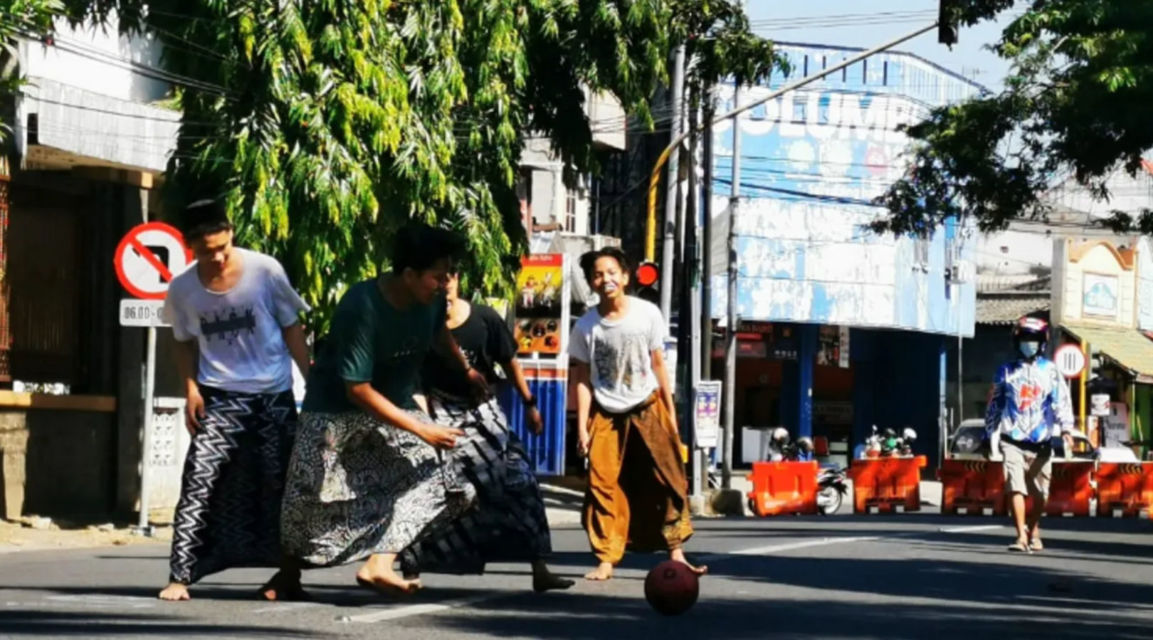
column 841, row 328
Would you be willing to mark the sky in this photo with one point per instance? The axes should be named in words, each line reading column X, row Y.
column 867, row 23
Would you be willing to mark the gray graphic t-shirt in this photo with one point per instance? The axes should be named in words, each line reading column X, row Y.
column 239, row 331
column 619, row 353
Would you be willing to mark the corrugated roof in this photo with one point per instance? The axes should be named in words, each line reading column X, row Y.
column 1005, row 309
column 1128, row 348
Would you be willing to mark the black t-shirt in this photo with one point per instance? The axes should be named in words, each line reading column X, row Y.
column 485, row 340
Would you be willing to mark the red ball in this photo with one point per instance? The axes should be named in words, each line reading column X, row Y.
column 671, row 588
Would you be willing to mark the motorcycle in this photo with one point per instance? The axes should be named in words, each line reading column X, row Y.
column 831, row 489
column 832, row 485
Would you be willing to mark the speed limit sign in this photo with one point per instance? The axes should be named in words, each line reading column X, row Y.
column 1070, row 360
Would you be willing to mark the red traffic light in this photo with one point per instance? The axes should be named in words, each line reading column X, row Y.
column 648, row 274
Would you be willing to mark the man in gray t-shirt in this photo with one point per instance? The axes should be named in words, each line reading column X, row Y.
column 236, row 320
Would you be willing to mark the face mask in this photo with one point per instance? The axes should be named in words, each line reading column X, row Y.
column 1029, row 349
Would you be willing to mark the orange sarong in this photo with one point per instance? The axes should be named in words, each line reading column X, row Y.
column 637, row 486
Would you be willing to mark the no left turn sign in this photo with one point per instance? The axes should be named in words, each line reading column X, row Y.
column 148, row 257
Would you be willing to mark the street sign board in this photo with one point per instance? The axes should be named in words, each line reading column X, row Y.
column 1070, row 360
column 141, row 313
column 707, row 405
column 148, row 257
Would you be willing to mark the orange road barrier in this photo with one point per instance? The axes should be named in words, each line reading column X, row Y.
column 783, row 488
column 1124, row 489
column 887, row 484
column 973, row 486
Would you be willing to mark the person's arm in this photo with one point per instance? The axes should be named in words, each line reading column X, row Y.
column 993, row 414
column 531, row 412
column 657, row 333
column 187, row 356
column 447, row 345
column 376, row 405
column 297, row 346
column 666, row 388
column 584, row 393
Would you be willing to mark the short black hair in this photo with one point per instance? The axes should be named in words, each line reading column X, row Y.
column 418, row 246
column 203, row 218
column 589, row 261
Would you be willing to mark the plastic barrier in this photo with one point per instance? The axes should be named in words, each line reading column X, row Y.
column 887, row 484
column 972, row 486
column 783, row 488
column 1071, row 489
column 1124, row 488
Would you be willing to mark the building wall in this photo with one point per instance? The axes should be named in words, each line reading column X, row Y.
column 1093, row 284
column 812, row 161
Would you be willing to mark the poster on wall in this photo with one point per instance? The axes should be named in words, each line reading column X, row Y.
column 829, row 347
column 540, row 304
column 1099, row 296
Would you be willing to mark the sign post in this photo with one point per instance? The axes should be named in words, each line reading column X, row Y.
column 146, row 260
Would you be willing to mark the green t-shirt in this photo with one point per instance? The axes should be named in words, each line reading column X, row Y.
column 373, row 341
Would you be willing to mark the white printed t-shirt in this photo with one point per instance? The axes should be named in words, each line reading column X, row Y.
column 619, row 354
column 239, row 331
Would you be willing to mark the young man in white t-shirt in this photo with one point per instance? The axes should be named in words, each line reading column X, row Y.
column 627, row 423
column 236, row 320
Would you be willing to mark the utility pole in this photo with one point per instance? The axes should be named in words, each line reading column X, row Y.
column 707, row 242
column 667, row 254
column 730, row 387
column 691, row 304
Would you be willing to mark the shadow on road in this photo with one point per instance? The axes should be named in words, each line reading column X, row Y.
column 93, row 624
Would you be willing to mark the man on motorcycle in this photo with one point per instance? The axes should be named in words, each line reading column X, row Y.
column 1029, row 406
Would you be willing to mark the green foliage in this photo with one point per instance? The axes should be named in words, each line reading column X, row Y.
column 1076, row 104
column 338, row 120
column 20, row 16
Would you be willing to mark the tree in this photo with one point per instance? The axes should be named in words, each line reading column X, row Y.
column 20, row 16
column 327, row 123
column 1076, row 104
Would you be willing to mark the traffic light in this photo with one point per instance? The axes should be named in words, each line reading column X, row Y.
column 948, row 22
column 648, row 276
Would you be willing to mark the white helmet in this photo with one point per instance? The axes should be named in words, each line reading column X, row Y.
column 805, row 444
column 908, row 435
column 780, row 434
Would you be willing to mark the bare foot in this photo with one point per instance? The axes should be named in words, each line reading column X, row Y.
column 387, row 583
column 175, row 592
column 284, row 587
column 545, row 580
column 604, row 571
column 678, row 555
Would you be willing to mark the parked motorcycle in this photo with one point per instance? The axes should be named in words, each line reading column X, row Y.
column 831, row 489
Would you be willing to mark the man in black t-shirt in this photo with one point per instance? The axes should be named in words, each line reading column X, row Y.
column 509, row 521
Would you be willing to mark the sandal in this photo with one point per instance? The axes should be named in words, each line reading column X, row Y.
column 1035, row 545
column 1019, row 546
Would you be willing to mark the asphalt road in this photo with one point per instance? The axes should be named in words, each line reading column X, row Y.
column 910, row 576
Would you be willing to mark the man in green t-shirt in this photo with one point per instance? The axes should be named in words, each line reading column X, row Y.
column 367, row 476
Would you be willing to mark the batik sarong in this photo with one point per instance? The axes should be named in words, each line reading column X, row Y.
column 228, row 514
column 636, row 496
column 357, row 486
column 508, row 522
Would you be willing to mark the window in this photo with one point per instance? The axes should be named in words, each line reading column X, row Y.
column 570, row 208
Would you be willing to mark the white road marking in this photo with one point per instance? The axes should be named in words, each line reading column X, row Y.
column 285, row 607
column 104, row 601
column 395, row 613
column 979, row 527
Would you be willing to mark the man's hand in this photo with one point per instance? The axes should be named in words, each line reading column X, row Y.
column 533, row 420
column 438, row 436
column 584, row 440
column 1067, row 439
column 478, row 383
column 193, row 409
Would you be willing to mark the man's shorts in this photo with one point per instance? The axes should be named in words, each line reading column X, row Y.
column 1027, row 468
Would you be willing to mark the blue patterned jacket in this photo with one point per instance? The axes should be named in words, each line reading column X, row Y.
column 1030, row 402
